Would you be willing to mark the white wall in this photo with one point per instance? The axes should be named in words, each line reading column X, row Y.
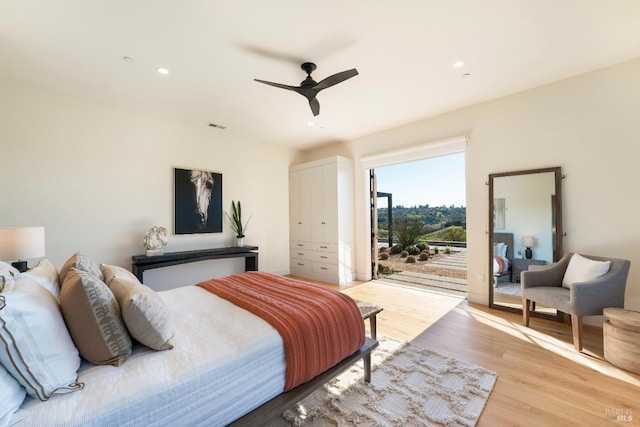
column 588, row 125
column 98, row 178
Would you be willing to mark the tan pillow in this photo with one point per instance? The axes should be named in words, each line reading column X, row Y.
column 109, row 272
column 81, row 262
column 93, row 317
column 143, row 311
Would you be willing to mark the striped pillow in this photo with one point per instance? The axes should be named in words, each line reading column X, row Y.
column 93, row 318
column 35, row 346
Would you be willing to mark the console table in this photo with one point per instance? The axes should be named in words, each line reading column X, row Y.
column 141, row 263
column 518, row 265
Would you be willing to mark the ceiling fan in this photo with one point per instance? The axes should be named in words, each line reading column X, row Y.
column 309, row 88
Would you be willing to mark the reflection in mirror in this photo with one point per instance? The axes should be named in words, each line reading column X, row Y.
column 525, row 223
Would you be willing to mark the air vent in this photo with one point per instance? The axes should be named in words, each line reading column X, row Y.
column 213, row 125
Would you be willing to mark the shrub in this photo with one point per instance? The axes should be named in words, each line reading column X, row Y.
column 448, row 250
column 384, row 256
column 384, row 269
column 395, row 249
column 383, row 249
column 422, row 246
column 413, row 250
column 407, row 231
column 424, row 256
column 411, row 259
column 404, row 254
column 436, row 250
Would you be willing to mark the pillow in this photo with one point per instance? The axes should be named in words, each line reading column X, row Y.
column 581, row 269
column 503, row 250
column 81, row 262
column 46, row 275
column 143, row 311
column 7, row 270
column 93, row 318
column 111, row 271
column 35, row 346
column 12, row 395
column 500, row 249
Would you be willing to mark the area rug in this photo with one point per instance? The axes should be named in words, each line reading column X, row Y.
column 409, row 386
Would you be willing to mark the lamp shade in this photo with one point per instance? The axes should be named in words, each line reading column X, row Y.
column 528, row 241
column 18, row 243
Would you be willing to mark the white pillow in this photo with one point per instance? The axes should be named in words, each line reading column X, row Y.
column 35, row 345
column 46, row 275
column 503, row 252
column 12, row 395
column 7, row 270
column 581, row 269
column 499, row 249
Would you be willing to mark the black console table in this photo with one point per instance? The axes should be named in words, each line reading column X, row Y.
column 143, row 262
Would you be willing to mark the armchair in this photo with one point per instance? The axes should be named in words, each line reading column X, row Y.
column 587, row 298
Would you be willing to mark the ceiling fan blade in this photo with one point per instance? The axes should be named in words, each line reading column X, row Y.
column 335, row 79
column 280, row 85
column 315, row 106
column 272, row 54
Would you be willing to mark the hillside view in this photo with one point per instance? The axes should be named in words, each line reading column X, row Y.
column 446, row 223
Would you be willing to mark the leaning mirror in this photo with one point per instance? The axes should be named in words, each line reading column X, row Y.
column 525, row 223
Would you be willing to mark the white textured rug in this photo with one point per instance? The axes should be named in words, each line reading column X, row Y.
column 409, row 386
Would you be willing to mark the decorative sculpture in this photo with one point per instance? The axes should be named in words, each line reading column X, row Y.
column 155, row 239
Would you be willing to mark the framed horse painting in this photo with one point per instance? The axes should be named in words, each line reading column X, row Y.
column 198, row 201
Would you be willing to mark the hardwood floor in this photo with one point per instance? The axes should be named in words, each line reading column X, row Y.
column 542, row 380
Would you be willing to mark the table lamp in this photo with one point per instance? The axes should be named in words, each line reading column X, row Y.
column 528, row 241
column 21, row 243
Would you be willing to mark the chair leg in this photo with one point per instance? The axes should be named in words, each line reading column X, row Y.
column 525, row 311
column 576, row 326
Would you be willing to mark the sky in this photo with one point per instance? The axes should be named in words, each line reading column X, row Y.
column 436, row 181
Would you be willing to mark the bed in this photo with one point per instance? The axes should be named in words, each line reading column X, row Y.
column 502, row 255
column 227, row 364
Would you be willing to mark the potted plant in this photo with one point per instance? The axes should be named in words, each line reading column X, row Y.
column 236, row 222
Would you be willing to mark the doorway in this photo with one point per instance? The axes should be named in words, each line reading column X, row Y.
column 418, row 220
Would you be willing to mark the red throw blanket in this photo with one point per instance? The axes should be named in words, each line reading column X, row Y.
column 319, row 326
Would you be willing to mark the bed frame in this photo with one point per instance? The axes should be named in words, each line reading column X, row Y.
column 508, row 239
column 276, row 406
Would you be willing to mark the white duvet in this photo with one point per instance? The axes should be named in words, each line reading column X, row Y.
column 225, row 362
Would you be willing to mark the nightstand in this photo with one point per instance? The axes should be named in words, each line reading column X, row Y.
column 518, row 265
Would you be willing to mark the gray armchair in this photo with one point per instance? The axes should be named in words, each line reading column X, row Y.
column 588, row 298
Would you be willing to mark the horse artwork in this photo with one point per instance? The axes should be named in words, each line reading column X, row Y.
column 198, row 201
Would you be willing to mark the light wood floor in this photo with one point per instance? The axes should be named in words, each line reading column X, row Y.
column 542, row 379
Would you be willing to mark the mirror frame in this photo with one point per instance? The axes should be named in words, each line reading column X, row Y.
column 556, row 170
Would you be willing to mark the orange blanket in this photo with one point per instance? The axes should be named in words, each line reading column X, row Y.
column 319, row 326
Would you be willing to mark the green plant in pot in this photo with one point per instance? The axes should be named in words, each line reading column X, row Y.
column 237, row 225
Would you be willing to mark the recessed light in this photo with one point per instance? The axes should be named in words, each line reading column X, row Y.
column 163, row 71
column 466, row 75
column 310, row 123
column 458, row 64
column 128, row 59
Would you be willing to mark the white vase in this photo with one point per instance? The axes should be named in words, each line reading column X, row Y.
column 240, row 242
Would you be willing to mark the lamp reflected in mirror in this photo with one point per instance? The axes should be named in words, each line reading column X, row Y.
column 528, row 242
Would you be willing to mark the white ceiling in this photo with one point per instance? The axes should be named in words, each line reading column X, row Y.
column 404, row 51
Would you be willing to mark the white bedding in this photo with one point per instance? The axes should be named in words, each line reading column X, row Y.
column 225, row 362
column 497, row 270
